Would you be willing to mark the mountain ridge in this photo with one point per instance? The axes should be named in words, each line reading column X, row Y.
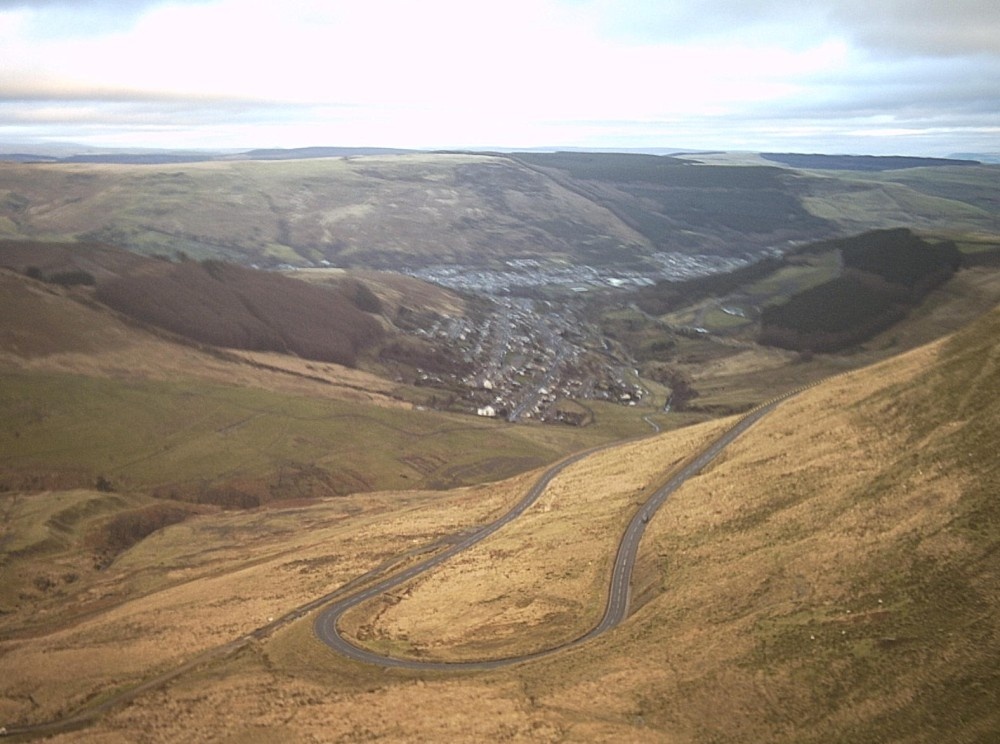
column 418, row 210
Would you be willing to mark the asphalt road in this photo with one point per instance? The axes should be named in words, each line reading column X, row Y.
column 616, row 609
column 338, row 601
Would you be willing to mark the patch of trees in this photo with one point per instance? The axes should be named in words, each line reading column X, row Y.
column 124, row 530
column 831, row 316
column 666, row 198
column 422, row 355
column 886, row 272
column 901, row 258
column 657, row 212
column 361, row 296
column 665, row 170
column 682, row 390
column 982, row 258
column 231, row 306
column 73, row 278
column 859, row 162
column 667, row 296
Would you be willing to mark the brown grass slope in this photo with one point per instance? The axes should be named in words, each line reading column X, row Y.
column 836, row 577
column 214, row 302
column 54, row 329
column 832, row 578
column 52, row 258
column 230, row 306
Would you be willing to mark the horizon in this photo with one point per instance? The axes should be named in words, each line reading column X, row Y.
column 58, row 150
column 906, row 78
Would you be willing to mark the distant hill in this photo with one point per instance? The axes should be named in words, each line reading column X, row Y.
column 679, row 204
column 361, row 208
column 113, row 158
column 300, row 153
column 160, row 157
column 983, row 157
column 23, row 157
column 860, row 162
column 140, row 158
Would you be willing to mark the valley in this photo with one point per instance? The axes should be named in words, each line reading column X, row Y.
column 451, row 388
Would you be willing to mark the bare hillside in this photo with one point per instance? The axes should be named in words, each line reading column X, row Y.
column 48, row 328
column 420, row 210
column 832, row 577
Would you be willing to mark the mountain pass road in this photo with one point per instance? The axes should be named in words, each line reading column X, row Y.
column 616, row 607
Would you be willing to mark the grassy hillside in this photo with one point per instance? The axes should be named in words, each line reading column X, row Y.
column 832, row 578
column 212, row 442
column 846, row 550
column 380, row 212
column 88, row 394
column 218, row 444
column 675, row 202
column 948, row 201
column 420, row 209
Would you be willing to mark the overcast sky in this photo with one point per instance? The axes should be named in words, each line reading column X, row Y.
column 837, row 76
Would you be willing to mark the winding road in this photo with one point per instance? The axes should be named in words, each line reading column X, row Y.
column 337, row 602
column 616, row 608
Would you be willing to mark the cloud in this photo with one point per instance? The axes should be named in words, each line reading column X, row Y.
column 913, row 27
column 446, row 55
column 454, row 72
column 69, row 19
column 921, row 27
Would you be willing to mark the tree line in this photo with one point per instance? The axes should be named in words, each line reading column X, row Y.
column 886, row 273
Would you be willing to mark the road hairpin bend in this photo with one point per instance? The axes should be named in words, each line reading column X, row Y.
column 616, row 607
column 340, row 600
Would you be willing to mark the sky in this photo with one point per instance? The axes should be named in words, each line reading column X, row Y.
column 883, row 77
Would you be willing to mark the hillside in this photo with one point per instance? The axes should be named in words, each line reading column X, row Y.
column 831, row 578
column 886, row 274
column 681, row 205
column 230, row 306
column 332, row 316
column 822, row 307
column 837, row 565
column 374, row 212
column 195, row 452
column 88, row 393
column 416, row 211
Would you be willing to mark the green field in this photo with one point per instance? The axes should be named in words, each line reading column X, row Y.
column 188, row 437
column 944, row 200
